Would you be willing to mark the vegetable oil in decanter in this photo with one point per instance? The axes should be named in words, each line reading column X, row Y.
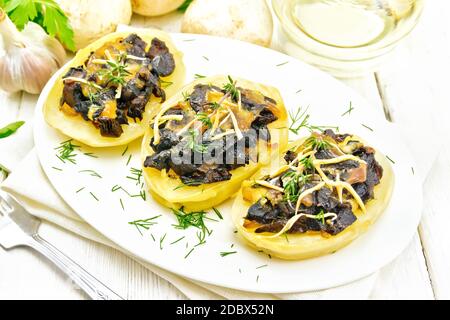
column 349, row 23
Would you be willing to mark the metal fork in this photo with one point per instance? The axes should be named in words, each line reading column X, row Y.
column 19, row 228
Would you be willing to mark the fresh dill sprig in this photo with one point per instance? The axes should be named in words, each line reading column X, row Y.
column 204, row 118
column 263, row 266
column 300, row 120
column 125, row 151
column 116, row 72
column 192, row 142
column 144, row 224
column 230, row 88
column 199, row 76
column 292, row 182
column 92, row 173
column 66, row 151
column 317, row 143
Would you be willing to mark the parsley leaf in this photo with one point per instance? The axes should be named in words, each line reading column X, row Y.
column 10, row 129
column 46, row 13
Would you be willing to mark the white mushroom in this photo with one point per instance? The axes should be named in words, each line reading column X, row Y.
column 92, row 20
column 246, row 20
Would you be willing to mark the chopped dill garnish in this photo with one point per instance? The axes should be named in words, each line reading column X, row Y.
column 153, row 237
column 94, row 196
column 263, row 266
column 230, row 88
column 66, row 151
column 299, row 90
column 257, row 278
column 349, row 111
column 136, row 175
column 144, row 224
column 165, row 84
column 317, row 143
column 286, row 236
column 193, row 219
column 282, row 64
column 225, row 254
column 161, row 240
column 393, row 162
column 176, row 241
column 292, row 181
column 201, row 236
column 217, row 212
column 81, row 189
column 199, row 76
column 129, row 159
column 117, row 71
column 186, row 96
column 300, row 120
column 192, row 142
column 413, row 171
column 320, row 216
column 90, row 154
column 204, row 118
column 125, row 151
column 92, row 173
column 367, row 127
column 57, row 169
column 206, row 58
column 122, row 205
column 189, row 253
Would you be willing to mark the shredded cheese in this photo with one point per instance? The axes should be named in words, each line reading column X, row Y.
column 84, row 81
column 221, row 135
column 295, row 218
column 119, row 91
column 307, row 192
column 175, row 117
column 338, row 160
column 235, row 124
column 266, row 184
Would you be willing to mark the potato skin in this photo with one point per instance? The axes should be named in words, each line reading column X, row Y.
column 83, row 131
column 314, row 244
column 166, row 190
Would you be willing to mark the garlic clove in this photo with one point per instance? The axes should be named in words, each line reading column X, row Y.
column 30, row 57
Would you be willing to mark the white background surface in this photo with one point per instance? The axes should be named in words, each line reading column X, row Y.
column 412, row 91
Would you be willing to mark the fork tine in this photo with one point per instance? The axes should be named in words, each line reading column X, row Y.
column 5, row 208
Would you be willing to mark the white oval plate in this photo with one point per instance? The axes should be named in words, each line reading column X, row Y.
column 300, row 85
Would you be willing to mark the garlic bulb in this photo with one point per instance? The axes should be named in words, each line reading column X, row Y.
column 29, row 57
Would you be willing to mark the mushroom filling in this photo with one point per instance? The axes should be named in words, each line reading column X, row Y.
column 116, row 82
column 212, row 132
column 325, row 180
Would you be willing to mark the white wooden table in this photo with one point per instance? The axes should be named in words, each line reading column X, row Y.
column 413, row 91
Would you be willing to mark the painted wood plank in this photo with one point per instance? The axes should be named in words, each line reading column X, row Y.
column 415, row 87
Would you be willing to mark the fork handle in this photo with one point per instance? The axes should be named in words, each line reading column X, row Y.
column 88, row 283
